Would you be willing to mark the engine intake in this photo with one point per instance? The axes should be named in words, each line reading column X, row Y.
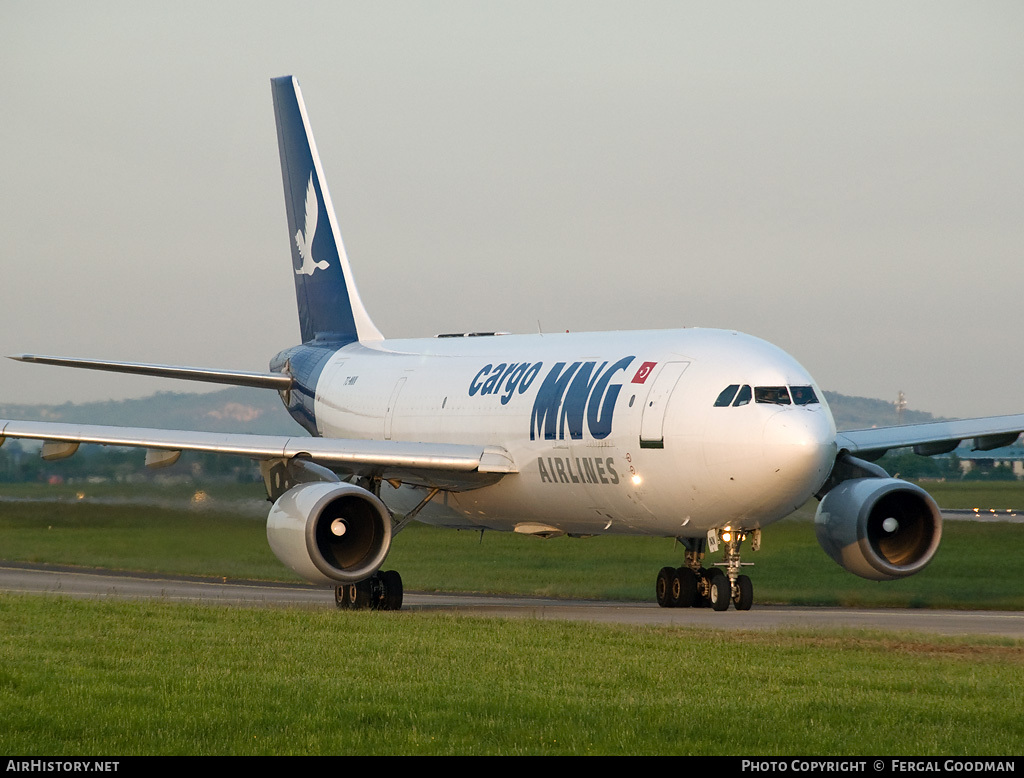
column 879, row 528
column 330, row 533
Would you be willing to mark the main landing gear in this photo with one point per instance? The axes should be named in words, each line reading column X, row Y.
column 693, row 586
column 380, row 592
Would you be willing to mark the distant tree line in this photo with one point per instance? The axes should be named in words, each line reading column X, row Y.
column 21, row 463
column 904, row 463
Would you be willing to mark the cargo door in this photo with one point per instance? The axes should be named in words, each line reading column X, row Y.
column 652, row 422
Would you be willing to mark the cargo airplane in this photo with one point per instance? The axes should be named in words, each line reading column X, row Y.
column 707, row 436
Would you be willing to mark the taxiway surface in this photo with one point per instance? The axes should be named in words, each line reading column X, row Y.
column 73, row 582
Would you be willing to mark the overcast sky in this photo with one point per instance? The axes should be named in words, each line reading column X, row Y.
column 843, row 179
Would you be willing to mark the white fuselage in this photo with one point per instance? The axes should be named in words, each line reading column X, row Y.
column 610, row 432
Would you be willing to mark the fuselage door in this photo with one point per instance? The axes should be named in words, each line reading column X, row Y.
column 652, row 421
column 389, row 413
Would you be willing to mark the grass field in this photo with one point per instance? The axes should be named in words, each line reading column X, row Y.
column 92, row 678
column 83, row 678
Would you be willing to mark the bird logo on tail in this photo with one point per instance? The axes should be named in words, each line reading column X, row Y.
column 304, row 238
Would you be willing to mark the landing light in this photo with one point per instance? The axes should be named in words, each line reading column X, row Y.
column 637, row 480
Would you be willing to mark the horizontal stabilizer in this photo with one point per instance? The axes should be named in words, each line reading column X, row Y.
column 277, row 381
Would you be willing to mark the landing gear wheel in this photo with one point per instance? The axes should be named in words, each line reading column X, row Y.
column 379, row 592
column 704, row 595
column 391, row 591
column 684, row 588
column 663, row 586
column 744, row 593
column 341, row 597
column 360, row 595
column 721, row 592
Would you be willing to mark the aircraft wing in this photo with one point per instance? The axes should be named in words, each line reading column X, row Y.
column 449, row 466
column 937, row 437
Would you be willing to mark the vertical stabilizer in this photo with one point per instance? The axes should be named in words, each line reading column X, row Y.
column 329, row 306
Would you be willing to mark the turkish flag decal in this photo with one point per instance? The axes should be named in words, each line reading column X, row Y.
column 643, row 372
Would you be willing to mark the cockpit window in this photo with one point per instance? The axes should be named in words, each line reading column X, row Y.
column 726, row 396
column 777, row 395
column 736, row 395
column 803, row 395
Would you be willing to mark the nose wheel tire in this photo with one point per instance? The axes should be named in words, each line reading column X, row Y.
column 721, row 592
column 744, row 593
column 707, row 577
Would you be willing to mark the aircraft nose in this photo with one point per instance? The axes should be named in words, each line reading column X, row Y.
column 799, row 446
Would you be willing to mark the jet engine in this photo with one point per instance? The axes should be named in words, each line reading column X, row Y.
column 330, row 533
column 879, row 528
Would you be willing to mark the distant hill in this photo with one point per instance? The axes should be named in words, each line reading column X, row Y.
column 852, row 413
column 260, row 411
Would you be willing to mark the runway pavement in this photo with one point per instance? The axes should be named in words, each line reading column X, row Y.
column 73, row 582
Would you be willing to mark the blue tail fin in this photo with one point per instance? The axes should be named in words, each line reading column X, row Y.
column 330, row 310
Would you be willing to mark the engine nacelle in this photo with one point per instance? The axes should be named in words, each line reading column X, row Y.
column 330, row 533
column 879, row 528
